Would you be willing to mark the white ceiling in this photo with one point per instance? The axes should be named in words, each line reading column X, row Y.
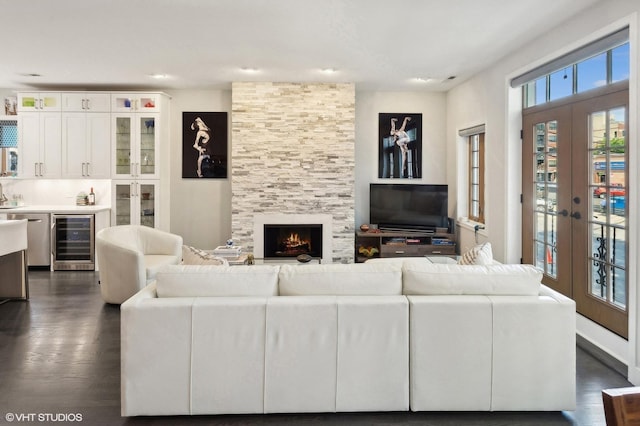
column 204, row 44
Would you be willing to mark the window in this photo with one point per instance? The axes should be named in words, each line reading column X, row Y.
column 602, row 62
column 476, row 177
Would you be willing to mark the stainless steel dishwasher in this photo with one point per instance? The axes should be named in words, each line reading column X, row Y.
column 38, row 237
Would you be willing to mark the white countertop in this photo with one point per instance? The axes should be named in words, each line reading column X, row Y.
column 14, row 236
column 63, row 209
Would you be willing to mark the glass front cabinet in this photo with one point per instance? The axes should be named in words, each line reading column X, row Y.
column 135, row 203
column 38, row 102
column 135, row 149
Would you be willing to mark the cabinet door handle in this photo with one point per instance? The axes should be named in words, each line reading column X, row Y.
column 88, row 169
column 399, row 251
column 53, row 238
column 35, row 169
column 436, row 252
column 42, row 167
column 41, row 103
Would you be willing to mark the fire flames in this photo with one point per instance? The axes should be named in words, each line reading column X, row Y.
column 294, row 244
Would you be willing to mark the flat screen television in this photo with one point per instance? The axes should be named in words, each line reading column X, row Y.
column 409, row 206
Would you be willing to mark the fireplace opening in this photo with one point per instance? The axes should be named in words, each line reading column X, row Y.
column 292, row 240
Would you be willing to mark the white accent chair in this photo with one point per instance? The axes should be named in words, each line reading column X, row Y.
column 130, row 256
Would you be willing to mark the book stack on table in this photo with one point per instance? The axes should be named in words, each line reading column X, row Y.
column 233, row 254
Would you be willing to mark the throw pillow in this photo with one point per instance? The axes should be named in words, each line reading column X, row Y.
column 194, row 256
column 479, row 255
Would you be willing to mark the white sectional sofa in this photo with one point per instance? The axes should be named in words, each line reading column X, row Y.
column 360, row 337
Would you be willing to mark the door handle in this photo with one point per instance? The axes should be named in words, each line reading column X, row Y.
column 576, row 200
column 564, row 213
column 576, row 215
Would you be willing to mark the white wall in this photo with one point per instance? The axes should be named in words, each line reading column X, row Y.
column 200, row 208
column 487, row 99
column 432, row 106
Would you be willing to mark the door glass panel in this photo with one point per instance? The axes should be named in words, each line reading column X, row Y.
column 540, row 196
column 551, row 229
column 123, row 145
column 552, row 197
column 617, row 238
column 539, row 261
column 147, row 102
column 608, row 253
column 8, row 147
column 147, row 205
column 122, row 102
column 619, row 288
column 28, row 101
column 123, row 204
column 50, row 101
column 550, row 261
column 147, row 146
column 545, row 187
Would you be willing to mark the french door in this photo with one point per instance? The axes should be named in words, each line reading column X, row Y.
column 574, row 201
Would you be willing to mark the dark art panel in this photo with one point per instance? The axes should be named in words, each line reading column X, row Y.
column 400, row 145
column 204, row 145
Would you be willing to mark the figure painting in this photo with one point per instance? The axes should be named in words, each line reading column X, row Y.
column 204, row 145
column 400, row 146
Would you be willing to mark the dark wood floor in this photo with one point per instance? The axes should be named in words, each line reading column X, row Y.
column 60, row 356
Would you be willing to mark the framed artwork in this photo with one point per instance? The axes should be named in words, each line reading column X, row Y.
column 204, row 145
column 400, row 145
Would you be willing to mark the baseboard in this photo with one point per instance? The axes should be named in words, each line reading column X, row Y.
column 602, row 356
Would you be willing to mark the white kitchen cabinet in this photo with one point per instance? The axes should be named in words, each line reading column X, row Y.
column 135, row 102
column 40, row 145
column 135, row 202
column 38, row 101
column 86, row 102
column 86, row 145
column 135, row 146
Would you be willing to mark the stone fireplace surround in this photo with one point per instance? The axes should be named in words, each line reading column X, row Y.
column 259, row 220
column 293, row 154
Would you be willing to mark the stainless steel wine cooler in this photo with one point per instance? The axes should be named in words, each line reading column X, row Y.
column 72, row 242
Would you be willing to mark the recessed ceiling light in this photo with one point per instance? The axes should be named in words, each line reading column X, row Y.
column 159, row 76
column 425, row 80
column 328, row 70
column 249, row 70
